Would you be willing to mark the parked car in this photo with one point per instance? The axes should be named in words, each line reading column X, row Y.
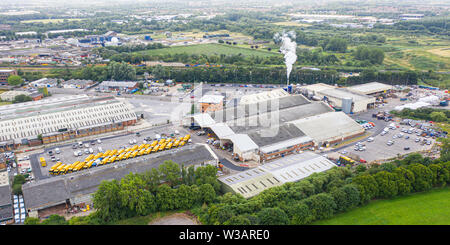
column 406, row 148
column 99, row 141
column 57, row 151
column 370, row 139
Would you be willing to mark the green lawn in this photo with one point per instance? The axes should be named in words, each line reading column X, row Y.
column 210, row 49
column 428, row 208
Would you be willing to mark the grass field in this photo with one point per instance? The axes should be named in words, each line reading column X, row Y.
column 46, row 21
column 210, row 49
column 428, row 208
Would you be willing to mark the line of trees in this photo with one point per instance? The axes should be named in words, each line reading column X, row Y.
column 322, row 195
column 428, row 114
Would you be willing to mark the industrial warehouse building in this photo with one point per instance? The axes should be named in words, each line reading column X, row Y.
column 117, row 86
column 372, row 88
column 341, row 98
column 77, row 188
column 272, row 128
column 292, row 168
column 62, row 119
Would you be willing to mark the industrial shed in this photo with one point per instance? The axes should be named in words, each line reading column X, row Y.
column 76, row 188
column 243, row 147
column 329, row 128
column 371, row 88
column 359, row 102
column 63, row 118
column 292, row 168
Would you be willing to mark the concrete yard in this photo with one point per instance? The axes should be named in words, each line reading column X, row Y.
column 114, row 142
column 379, row 150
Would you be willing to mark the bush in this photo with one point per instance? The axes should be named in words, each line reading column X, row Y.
column 272, row 216
column 322, row 205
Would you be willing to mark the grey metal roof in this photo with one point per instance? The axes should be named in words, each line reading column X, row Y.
column 55, row 190
column 247, row 110
column 268, row 136
column 5, row 195
column 6, row 213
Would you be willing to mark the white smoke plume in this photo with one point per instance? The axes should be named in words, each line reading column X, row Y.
column 288, row 48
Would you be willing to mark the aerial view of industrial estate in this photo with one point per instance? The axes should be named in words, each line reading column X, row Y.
column 224, row 112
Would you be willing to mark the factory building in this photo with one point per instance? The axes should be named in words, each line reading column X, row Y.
column 77, row 188
column 211, row 102
column 340, row 98
column 292, row 168
column 272, row 128
column 117, row 86
column 373, row 88
column 61, row 119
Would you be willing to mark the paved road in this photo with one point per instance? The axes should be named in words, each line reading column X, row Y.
column 231, row 166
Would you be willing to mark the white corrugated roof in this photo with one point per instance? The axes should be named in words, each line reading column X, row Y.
column 286, row 169
column 203, row 119
column 285, row 144
column 242, row 142
column 211, row 99
column 328, row 126
column 370, row 88
column 221, row 130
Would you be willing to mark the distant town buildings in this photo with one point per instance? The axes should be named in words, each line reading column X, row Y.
column 4, row 74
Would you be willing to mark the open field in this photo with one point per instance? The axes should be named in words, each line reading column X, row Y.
column 210, row 49
column 428, row 208
column 46, row 21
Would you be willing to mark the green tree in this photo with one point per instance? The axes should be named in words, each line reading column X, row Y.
column 423, row 177
column 405, row 178
column 55, row 219
column 322, row 205
column 387, row 184
column 273, row 216
column 300, row 214
column 165, row 198
column 170, row 172
column 367, row 186
column 438, row 116
column 107, row 201
column 31, row 221
column 440, row 175
column 22, row 98
column 208, row 194
column 135, row 196
column 15, row 80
